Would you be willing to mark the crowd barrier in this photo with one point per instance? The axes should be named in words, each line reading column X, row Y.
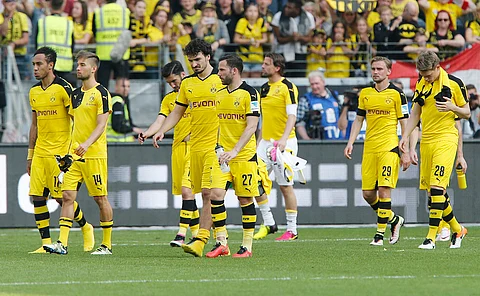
column 139, row 188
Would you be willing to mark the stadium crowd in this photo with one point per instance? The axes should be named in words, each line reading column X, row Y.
column 312, row 35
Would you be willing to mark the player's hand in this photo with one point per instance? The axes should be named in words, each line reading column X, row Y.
column 403, row 144
column 81, row 149
column 225, row 157
column 281, row 144
column 29, row 166
column 348, row 151
column 460, row 160
column 157, row 137
column 444, row 106
column 405, row 161
column 141, row 138
column 414, row 157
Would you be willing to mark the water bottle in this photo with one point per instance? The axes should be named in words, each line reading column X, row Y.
column 223, row 166
column 461, row 178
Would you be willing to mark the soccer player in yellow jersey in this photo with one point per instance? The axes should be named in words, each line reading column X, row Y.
column 278, row 101
column 383, row 106
column 198, row 92
column 91, row 106
column 50, row 136
column 173, row 73
column 439, row 99
column 238, row 111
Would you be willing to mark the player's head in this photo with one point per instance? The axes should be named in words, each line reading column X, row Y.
column 122, row 87
column 381, row 68
column 173, row 74
column 229, row 67
column 317, row 82
column 428, row 66
column 43, row 61
column 198, row 52
column 273, row 63
column 87, row 64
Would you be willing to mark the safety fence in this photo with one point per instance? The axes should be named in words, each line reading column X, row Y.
column 139, row 188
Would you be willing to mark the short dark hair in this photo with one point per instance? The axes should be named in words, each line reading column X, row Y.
column 471, row 86
column 297, row 3
column 57, row 4
column 278, row 61
column 84, row 54
column 174, row 67
column 197, row 46
column 233, row 61
column 49, row 53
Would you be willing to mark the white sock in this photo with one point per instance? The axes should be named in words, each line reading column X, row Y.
column 292, row 221
column 267, row 214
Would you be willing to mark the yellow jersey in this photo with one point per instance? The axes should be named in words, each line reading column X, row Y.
column 182, row 17
column 315, row 61
column 338, row 64
column 182, row 129
column 475, row 26
column 274, row 98
column 251, row 53
column 439, row 126
column 53, row 122
column 233, row 108
column 382, row 110
column 86, row 105
column 79, row 30
column 200, row 95
column 431, row 13
column 16, row 27
column 151, row 53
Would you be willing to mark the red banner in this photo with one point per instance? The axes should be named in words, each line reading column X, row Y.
column 468, row 59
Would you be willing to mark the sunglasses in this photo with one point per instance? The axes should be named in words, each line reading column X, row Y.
column 443, row 20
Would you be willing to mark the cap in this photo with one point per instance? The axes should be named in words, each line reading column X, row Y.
column 210, row 5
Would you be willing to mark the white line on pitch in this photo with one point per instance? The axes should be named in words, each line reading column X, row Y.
column 327, row 278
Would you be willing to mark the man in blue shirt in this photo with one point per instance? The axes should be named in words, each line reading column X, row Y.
column 318, row 111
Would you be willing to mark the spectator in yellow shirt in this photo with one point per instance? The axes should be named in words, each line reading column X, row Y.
column 250, row 34
column 82, row 22
column 14, row 32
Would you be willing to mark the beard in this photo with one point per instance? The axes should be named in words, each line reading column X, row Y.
column 227, row 80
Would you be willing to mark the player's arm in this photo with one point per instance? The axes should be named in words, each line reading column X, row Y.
column 460, row 159
column 32, row 139
column 291, row 119
column 462, row 112
column 97, row 132
column 252, row 122
column 291, row 102
column 412, row 122
column 153, row 128
column 413, row 139
column 356, row 127
column 171, row 120
column 405, row 157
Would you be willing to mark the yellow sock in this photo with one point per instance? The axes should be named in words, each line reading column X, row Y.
column 42, row 219
column 450, row 220
column 195, row 223
column 107, row 233
column 65, row 225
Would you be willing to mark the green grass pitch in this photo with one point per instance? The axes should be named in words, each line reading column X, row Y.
column 324, row 261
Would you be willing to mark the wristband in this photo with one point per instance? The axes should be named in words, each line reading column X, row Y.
column 30, row 154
